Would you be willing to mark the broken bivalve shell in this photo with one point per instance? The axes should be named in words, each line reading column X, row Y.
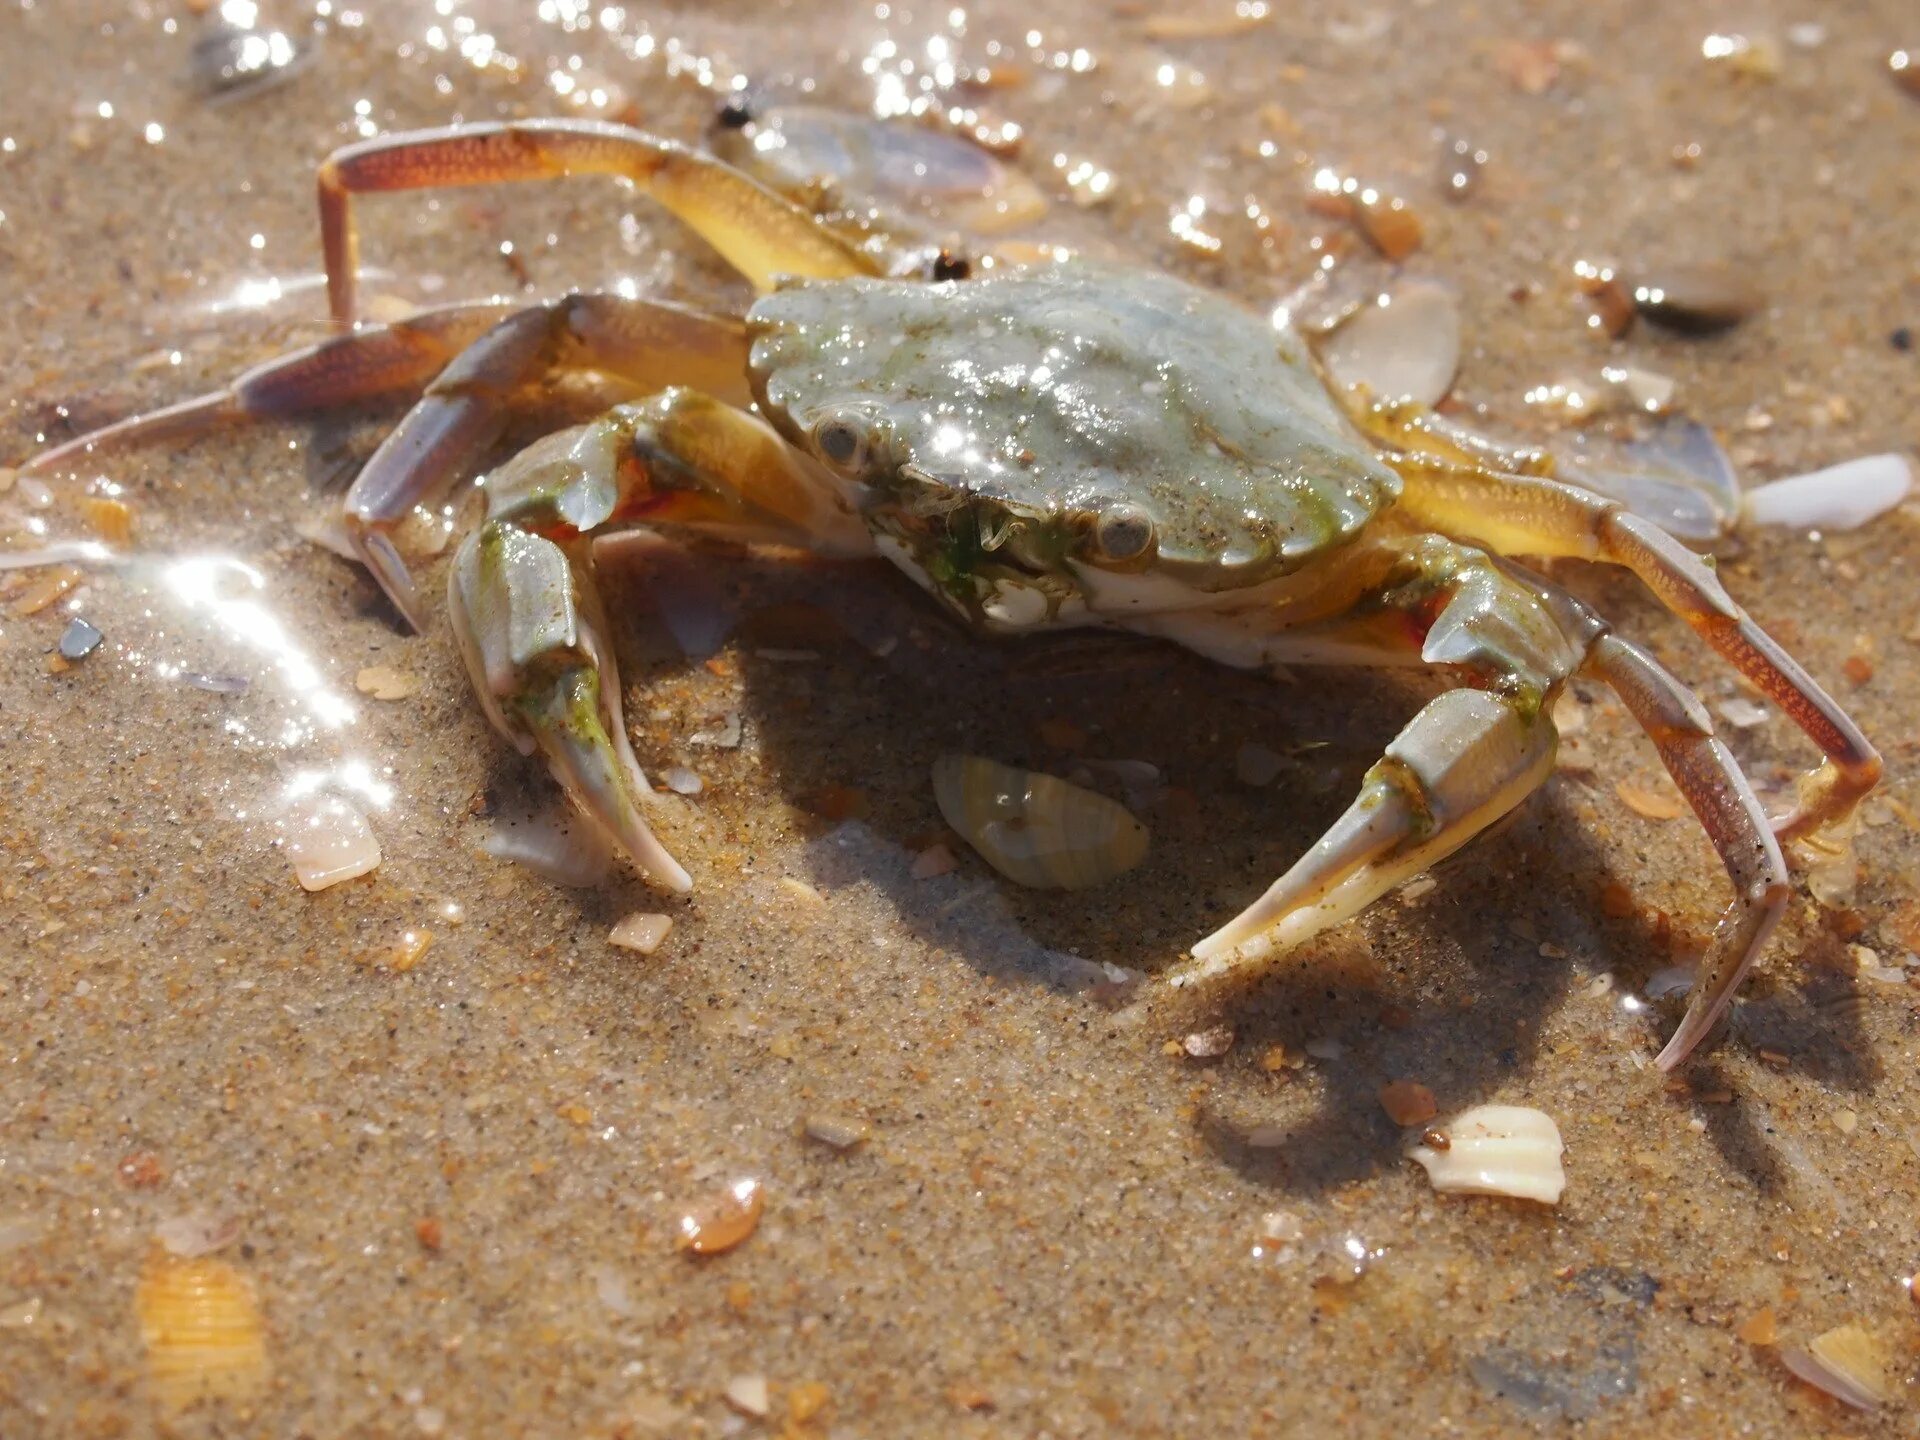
column 1849, row 1363
column 201, row 1326
column 1404, row 346
column 1497, row 1150
column 1037, row 830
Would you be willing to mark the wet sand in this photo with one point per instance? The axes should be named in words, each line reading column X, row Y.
column 452, row 1180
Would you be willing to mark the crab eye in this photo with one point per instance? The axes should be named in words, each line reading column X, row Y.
column 1123, row 532
column 841, row 441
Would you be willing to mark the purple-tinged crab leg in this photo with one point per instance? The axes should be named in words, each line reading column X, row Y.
column 1729, row 811
column 377, row 362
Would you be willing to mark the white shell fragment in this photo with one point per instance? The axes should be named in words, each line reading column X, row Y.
column 556, row 842
column 645, row 933
column 1497, row 1150
column 1404, row 346
column 329, row 841
column 748, row 1395
column 1848, row 1363
column 1035, row 829
column 1841, row 497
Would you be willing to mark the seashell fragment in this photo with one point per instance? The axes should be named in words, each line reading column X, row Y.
column 1497, row 1150
column 1840, row 497
column 1037, row 830
column 645, row 933
column 810, row 150
column 1404, row 346
column 328, row 841
column 836, row 1132
column 197, row 1233
column 556, row 842
column 201, row 1326
column 1695, row 299
column 717, row 1225
column 748, row 1395
column 1848, row 1362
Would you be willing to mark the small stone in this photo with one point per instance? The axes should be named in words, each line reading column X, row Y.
column 384, row 682
column 1760, row 1328
column 682, row 781
column 1695, row 299
column 806, row 1401
column 934, row 860
column 1846, row 1121
column 1256, row 765
column 836, row 1132
column 1209, row 1044
column 1407, row 1102
column 79, row 640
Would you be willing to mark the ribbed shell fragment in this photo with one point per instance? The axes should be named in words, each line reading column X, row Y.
column 1035, row 829
column 201, row 1325
column 1497, row 1150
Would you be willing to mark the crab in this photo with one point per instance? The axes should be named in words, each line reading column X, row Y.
column 1067, row 445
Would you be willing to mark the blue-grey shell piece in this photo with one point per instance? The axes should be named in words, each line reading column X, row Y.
column 1064, row 390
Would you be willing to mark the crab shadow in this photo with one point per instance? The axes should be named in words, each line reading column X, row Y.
column 852, row 683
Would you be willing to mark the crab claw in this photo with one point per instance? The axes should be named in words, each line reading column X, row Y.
column 547, row 681
column 1464, row 761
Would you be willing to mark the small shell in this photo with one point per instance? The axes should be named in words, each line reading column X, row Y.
column 1849, row 1363
column 201, row 1326
column 1035, row 829
column 1841, row 497
column 803, row 150
column 1403, row 346
column 717, row 1225
column 328, row 841
column 1497, row 1150
column 645, row 933
column 556, row 842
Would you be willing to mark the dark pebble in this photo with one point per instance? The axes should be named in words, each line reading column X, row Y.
column 79, row 640
column 1902, row 339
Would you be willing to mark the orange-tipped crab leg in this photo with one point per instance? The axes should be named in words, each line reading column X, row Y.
column 467, row 406
column 760, row 234
column 1523, row 515
column 377, row 362
column 522, row 590
column 1729, row 812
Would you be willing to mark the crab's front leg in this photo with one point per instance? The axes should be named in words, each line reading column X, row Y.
column 524, row 601
column 1474, row 753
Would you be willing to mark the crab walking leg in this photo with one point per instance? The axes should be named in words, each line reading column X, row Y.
column 1729, row 811
column 759, row 233
column 374, row 363
column 1470, row 755
column 468, row 405
column 524, row 601
column 1516, row 514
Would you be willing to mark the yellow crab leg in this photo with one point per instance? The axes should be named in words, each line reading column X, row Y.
column 1518, row 514
column 760, row 234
